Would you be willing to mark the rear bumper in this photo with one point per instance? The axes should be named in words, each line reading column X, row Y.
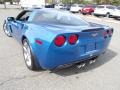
column 58, row 57
column 85, row 60
column 86, row 12
column 74, row 10
column 114, row 16
column 99, row 14
column 58, row 62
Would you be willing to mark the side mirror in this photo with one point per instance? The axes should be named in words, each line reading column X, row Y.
column 11, row 19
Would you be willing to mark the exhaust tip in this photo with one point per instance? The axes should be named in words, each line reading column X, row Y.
column 92, row 61
column 81, row 65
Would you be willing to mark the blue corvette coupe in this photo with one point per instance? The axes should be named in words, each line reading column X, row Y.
column 54, row 38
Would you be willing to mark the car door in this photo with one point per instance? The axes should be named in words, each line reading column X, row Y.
column 18, row 25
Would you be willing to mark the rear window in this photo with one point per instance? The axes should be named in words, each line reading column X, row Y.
column 81, row 5
column 59, row 18
column 61, row 5
column 74, row 5
column 100, row 6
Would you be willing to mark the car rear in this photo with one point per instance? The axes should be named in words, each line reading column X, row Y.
column 100, row 10
column 65, row 38
column 75, row 8
column 77, row 47
column 88, row 9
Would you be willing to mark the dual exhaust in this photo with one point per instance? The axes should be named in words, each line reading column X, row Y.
column 78, row 64
column 83, row 64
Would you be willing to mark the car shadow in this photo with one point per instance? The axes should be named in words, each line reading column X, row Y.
column 103, row 59
column 118, row 19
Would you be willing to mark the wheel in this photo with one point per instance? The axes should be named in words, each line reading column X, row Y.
column 6, row 31
column 80, row 11
column 108, row 15
column 92, row 13
column 28, row 56
column 84, row 13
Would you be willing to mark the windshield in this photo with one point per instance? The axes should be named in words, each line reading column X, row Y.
column 59, row 18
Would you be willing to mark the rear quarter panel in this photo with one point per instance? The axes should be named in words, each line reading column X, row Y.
column 34, row 33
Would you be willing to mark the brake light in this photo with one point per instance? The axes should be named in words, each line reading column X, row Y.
column 59, row 41
column 73, row 39
column 105, row 34
column 110, row 32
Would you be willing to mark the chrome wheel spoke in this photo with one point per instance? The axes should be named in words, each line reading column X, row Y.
column 6, row 31
column 27, row 54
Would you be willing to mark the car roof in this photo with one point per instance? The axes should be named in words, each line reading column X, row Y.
column 105, row 5
column 47, row 10
column 39, row 9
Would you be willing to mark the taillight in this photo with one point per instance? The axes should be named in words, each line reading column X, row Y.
column 73, row 39
column 59, row 41
column 105, row 34
column 110, row 32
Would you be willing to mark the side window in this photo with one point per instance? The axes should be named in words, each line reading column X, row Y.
column 110, row 7
column 23, row 16
column 44, row 17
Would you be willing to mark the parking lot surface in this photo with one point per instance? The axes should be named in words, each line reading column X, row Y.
column 104, row 74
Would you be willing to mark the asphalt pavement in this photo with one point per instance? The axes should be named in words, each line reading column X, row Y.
column 104, row 74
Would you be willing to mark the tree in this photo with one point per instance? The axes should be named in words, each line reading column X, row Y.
column 4, row 1
column 97, row 1
column 115, row 2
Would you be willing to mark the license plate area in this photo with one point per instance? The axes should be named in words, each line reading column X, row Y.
column 90, row 47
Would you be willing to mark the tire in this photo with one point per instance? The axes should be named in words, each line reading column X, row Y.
column 80, row 11
column 28, row 56
column 95, row 15
column 108, row 15
column 92, row 13
column 84, row 13
column 6, row 31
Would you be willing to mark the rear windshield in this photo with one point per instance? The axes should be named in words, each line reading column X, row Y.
column 100, row 6
column 81, row 5
column 74, row 5
column 59, row 18
column 61, row 5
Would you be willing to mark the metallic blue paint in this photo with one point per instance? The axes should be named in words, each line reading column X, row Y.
column 47, row 54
